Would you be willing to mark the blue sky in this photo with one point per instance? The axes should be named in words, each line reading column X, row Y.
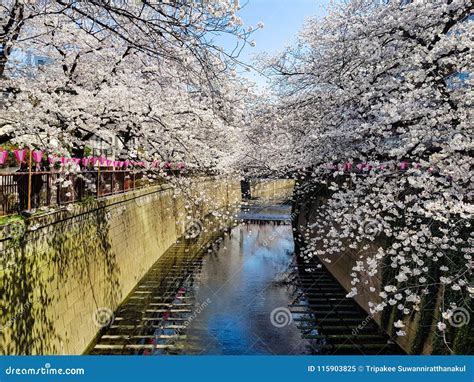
column 282, row 18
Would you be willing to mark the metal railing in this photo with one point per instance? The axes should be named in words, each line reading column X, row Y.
column 20, row 189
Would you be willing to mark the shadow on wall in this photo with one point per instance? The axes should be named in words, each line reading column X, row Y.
column 44, row 274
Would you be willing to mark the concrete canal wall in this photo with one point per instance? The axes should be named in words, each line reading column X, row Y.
column 422, row 336
column 58, row 270
column 271, row 189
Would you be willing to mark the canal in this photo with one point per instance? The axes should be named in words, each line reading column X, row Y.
column 244, row 286
column 245, row 293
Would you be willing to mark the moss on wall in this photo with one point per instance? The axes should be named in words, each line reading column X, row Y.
column 66, row 265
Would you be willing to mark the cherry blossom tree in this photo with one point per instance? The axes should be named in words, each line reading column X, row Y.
column 147, row 72
column 377, row 101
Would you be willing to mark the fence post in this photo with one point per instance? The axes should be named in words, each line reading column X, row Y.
column 98, row 179
column 48, row 188
column 112, row 178
column 29, row 180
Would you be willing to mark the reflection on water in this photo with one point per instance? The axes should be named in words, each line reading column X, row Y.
column 234, row 298
column 240, row 283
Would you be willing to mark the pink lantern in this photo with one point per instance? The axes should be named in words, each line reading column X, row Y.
column 52, row 160
column 403, row 165
column 102, row 161
column 109, row 162
column 63, row 160
column 115, row 163
column 76, row 161
column 167, row 165
column 37, row 156
column 3, row 156
column 120, row 164
column 126, row 163
column 20, row 155
column 347, row 166
column 85, row 161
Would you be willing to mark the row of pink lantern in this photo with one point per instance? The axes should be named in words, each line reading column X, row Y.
column 348, row 166
column 37, row 156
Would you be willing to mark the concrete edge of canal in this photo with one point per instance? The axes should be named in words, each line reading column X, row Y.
column 71, row 268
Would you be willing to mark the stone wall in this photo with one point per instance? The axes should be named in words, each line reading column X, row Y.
column 70, row 263
column 58, row 269
column 271, row 189
column 422, row 336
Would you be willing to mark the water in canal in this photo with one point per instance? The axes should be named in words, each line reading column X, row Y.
column 233, row 298
column 242, row 294
column 245, row 295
